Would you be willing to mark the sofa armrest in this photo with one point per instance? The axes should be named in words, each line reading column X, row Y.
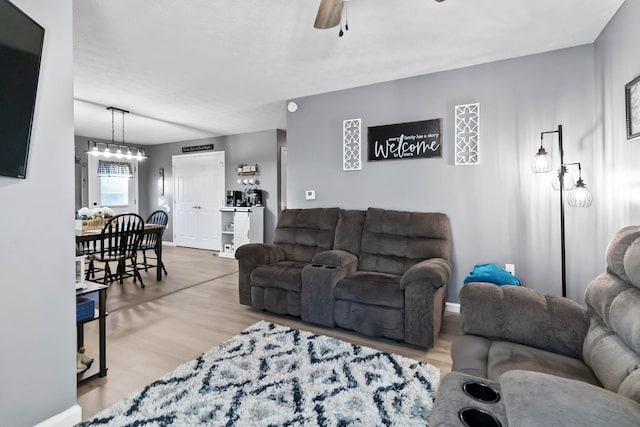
column 334, row 257
column 250, row 257
column 425, row 293
column 319, row 280
column 260, row 253
column 435, row 272
column 523, row 316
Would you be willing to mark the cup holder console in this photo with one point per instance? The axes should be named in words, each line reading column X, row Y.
column 481, row 392
column 317, row 265
column 330, row 267
column 474, row 417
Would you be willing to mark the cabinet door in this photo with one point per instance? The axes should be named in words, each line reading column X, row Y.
column 241, row 229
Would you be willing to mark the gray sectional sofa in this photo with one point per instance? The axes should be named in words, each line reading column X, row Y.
column 551, row 361
column 379, row 272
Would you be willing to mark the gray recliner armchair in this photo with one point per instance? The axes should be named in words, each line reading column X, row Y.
column 548, row 360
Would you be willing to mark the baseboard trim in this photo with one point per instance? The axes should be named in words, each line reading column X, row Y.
column 452, row 307
column 68, row 418
column 168, row 243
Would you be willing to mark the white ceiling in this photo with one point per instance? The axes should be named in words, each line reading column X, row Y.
column 189, row 69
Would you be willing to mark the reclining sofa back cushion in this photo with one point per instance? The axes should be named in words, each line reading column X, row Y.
column 612, row 345
column 393, row 241
column 302, row 233
column 349, row 230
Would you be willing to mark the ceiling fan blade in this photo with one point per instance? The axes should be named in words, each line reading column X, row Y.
column 329, row 14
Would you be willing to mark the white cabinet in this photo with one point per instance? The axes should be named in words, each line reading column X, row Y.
column 239, row 227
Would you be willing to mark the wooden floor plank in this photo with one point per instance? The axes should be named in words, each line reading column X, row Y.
column 146, row 340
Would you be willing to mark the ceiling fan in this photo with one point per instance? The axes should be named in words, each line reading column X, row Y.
column 330, row 13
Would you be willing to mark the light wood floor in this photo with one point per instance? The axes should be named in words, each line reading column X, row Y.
column 149, row 339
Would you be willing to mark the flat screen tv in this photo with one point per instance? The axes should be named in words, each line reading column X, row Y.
column 21, row 41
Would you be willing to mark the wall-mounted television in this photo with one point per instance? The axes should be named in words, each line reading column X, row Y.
column 21, row 41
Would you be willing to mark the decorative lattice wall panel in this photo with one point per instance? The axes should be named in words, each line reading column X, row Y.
column 467, row 134
column 351, row 144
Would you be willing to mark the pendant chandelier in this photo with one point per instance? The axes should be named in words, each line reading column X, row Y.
column 117, row 150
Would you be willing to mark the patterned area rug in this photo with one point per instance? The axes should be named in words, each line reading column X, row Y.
column 272, row 375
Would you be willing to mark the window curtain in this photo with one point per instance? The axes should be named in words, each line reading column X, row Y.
column 114, row 169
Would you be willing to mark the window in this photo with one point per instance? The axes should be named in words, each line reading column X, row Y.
column 114, row 191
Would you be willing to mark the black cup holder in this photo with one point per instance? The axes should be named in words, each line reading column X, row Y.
column 474, row 417
column 317, row 265
column 481, row 392
column 330, row 267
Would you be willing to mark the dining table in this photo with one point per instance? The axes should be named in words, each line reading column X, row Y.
column 91, row 235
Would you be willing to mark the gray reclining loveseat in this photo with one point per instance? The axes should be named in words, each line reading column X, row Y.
column 529, row 359
column 378, row 272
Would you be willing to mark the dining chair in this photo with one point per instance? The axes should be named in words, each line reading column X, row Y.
column 119, row 242
column 150, row 241
column 88, row 249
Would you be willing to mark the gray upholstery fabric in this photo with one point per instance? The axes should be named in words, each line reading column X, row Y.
column 534, row 399
column 370, row 320
column 283, row 275
column 349, row 230
column 393, row 241
column 507, row 356
column 470, row 355
column 523, row 316
column 318, row 268
column 302, row 233
column 450, row 399
column 371, row 288
column 612, row 345
column 249, row 257
column 423, row 311
column 538, row 346
column 318, row 283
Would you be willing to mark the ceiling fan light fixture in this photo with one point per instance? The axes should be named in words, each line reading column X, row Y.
column 329, row 14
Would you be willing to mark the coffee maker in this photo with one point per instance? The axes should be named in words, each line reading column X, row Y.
column 234, row 198
column 254, row 197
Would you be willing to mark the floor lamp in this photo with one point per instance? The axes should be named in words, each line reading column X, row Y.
column 579, row 195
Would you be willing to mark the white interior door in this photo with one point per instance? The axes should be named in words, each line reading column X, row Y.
column 185, row 194
column 211, row 199
column 198, row 196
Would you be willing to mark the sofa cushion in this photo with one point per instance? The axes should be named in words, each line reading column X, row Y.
column 285, row 275
column 371, row 320
column 349, row 230
column 507, row 356
column 535, row 399
column 302, row 233
column 393, row 241
column 612, row 361
column 469, row 354
column 371, row 288
column 514, row 313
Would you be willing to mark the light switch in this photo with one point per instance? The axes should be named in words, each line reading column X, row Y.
column 310, row 194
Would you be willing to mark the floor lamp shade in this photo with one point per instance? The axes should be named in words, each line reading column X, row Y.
column 580, row 196
column 567, row 180
column 542, row 162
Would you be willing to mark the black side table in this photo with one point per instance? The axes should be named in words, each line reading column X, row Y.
column 99, row 366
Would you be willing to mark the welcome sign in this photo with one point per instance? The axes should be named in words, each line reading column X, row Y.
column 413, row 140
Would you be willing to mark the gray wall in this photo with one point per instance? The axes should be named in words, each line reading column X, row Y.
column 617, row 59
column 37, row 308
column 250, row 148
column 500, row 211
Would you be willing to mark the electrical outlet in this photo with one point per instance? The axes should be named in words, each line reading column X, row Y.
column 310, row 194
column 511, row 268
